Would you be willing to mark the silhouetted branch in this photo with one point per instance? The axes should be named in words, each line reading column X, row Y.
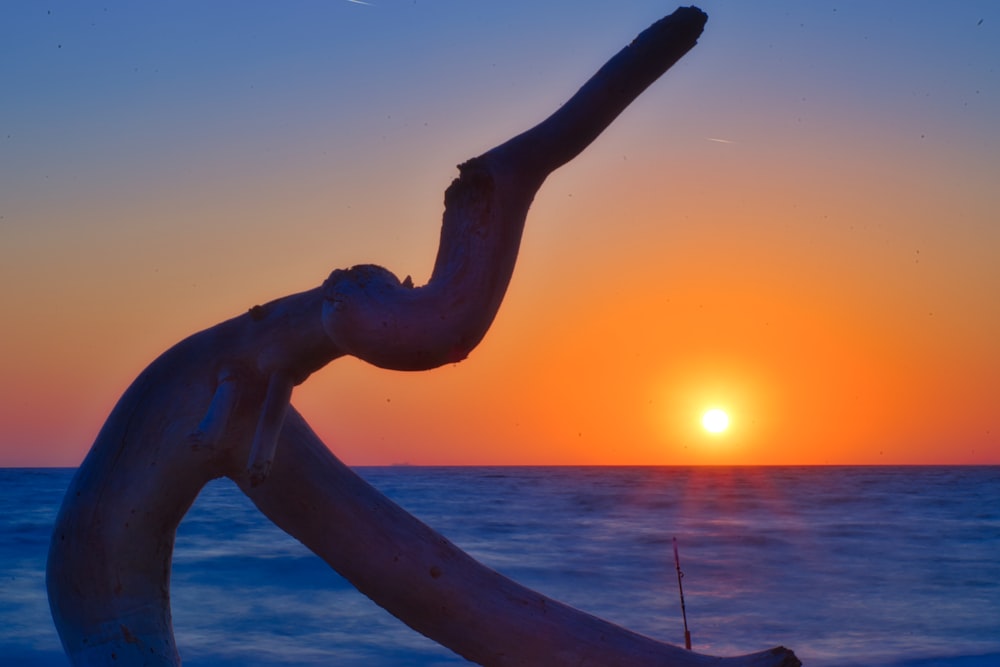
column 217, row 404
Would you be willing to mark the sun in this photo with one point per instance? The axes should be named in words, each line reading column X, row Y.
column 715, row 420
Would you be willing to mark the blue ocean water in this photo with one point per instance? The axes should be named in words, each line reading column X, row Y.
column 848, row 566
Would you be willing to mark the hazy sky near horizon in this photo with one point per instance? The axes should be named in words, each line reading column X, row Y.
column 799, row 223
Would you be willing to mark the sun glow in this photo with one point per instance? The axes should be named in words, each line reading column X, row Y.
column 715, row 420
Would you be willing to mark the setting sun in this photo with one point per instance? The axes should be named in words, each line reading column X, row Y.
column 715, row 420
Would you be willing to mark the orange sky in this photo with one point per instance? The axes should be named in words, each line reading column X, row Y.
column 826, row 274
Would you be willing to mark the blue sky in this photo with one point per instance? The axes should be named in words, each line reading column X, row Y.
column 163, row 166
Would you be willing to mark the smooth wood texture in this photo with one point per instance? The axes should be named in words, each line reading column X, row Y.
column 216, row 404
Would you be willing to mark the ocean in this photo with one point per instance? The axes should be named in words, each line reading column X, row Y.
column 847, row 566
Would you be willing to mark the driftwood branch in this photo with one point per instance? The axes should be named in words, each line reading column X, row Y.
column 217, row 404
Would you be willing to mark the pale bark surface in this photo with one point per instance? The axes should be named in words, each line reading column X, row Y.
column 217, row 404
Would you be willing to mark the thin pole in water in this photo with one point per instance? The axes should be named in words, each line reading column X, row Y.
column 680, row 587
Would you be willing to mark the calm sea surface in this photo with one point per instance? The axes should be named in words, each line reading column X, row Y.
column 847, row 566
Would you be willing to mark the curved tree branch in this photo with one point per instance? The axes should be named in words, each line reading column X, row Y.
column 437, row 589
column 216, row 404
column 370, row 314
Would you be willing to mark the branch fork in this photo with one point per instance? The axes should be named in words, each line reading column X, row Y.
column 218, row 404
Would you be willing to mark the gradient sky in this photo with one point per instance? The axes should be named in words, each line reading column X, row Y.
column 799, row 223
